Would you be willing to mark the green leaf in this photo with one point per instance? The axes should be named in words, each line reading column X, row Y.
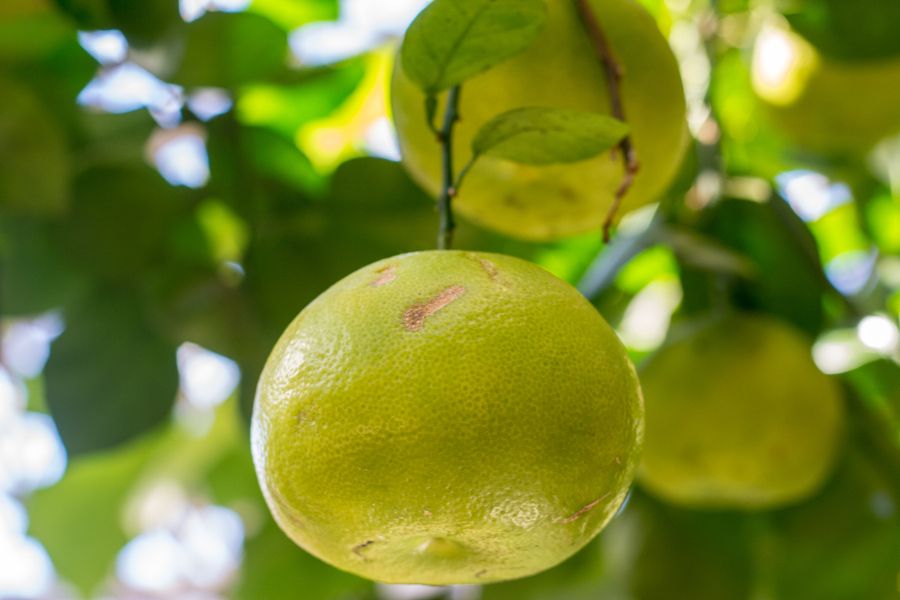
column 229, row 50
column 453, row 40
column 842, row 544
column 787, row 279
column 145, row 23
column 286, row 107
column 293, row 14
column 31, row 31
column 848, row 31
column 110, row 376
column 34, row 275
column 276, row 569
column 34, row 161
column 119, row 220
column 541, row 136
column 83, row 539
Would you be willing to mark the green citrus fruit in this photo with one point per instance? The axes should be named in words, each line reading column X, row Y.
column 823, row 105
column 738, row 415
column 447, row 417
column 560, row 70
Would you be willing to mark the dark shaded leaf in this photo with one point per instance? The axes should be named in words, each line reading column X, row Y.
column 110, row 377
column 859, row 30
column 229, row 50
column 119, row 220
column 34, row 275
column 787, row 278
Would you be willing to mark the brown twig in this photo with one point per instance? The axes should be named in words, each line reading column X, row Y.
column 613, row 72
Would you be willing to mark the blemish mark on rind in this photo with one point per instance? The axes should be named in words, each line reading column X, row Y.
column 358, row 549
column 584, row 510
column 489, row 268
column 386, row 275
column 414, row 316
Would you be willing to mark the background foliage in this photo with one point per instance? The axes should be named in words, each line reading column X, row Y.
column 284, row 180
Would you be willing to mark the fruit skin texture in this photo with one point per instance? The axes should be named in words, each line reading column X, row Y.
column 826, row 106
column 560, row 70
column 447, row 417
column 739, row 416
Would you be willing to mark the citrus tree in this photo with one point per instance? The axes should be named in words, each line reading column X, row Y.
column 519, row 299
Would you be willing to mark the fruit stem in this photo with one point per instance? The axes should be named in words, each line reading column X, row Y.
column 448, row 189
column 613, row 72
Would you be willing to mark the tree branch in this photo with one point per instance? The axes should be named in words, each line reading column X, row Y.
column 448, row 188
column 613, row 72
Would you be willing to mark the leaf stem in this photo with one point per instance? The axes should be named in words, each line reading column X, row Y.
column 448, row 189
column 613, row 72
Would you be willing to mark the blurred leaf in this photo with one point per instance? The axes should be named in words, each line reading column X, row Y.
column 650, row 264
column 787, row 280
column 750, row 144
column 453, row 40
column 205, row 308
column 34, row 276
column 290, row 15
column 231, row 49
column 34, row 163
column 276, row 569
column 842, row 545
column 274, row 156
column 147, row 22
column 79, row 520
column 879, row 381
column 839, row 232
column 541, row 136
column 119, row 219
column 883, row 222
column 88, row 14
column 285, row 107
column 702, row 555
column 30, row 30
column 859, row 30
column 706, row 253
column 578, row 578
column 373, row 211
column 110, row 377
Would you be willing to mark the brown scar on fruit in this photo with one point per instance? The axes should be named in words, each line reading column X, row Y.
column 414, row 316
column 387, row 275
column 583, row 510
column 357, row 549
column 481, row 573
column 489, row 268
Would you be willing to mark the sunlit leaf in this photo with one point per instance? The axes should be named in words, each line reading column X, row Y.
column 541, row 136
column 453, row 40
column 83, row 539
column 293, row 14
